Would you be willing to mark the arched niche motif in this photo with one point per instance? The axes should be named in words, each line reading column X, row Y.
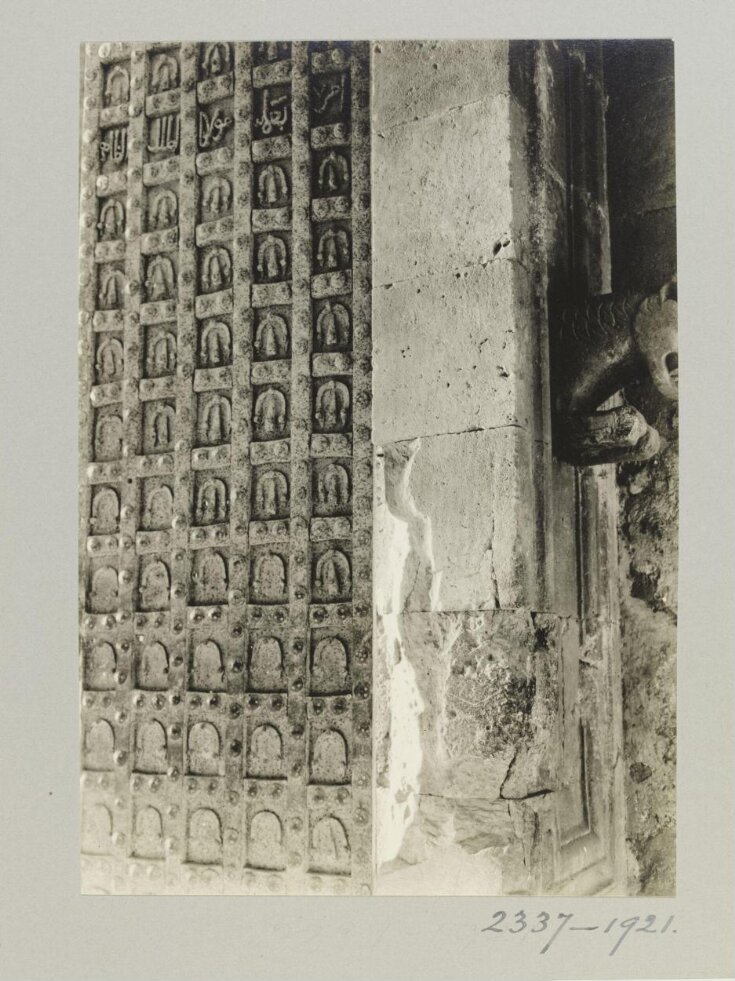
column 164, row 74
column 100, row 666
column 271, row 494
column 215, row 348
column 148, row 833
column 112, row 290
column 99, row 745
column 329, row 667
column 151, row 748
column 117, row 86
column 329, row 758
column 207, row 668
column 205, row 837
column 160, row 428
column 332, row 575
column 272, row 186
column 266, row 665
column 96, row 829
column 112, row 220
column 105, row 519
column 108, row 437
column 333, row 250
column 271, row 336
column 211, row 502
column 334, row 174
column 265, row 841
column 163, row 210
column 329, row 846
column 204, row 746
column 155, row 585
column 216, row 269
column 215, row 423
column 216, row 59
column 210, row 577
column 333, row 487
column 160, row 282
column 270, row 413
column 332, row 406
column 333, row 326
column 216, row 195
column 265, row 756
column 110, row 360
column 272, row 258
column 159, row 505
column 161, row 354
column 153, row 667
column 104, row 595
column 269, row 581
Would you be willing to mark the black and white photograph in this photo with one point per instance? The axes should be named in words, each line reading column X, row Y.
column 348, row 476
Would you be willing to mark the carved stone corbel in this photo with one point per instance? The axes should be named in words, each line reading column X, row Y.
column 598, row 347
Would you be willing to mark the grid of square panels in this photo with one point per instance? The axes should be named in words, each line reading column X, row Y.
column 225, row 564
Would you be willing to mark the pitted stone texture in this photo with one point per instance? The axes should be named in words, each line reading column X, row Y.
column 487, row 687
column 443, row 76
column 450, row 353
column 442, row 191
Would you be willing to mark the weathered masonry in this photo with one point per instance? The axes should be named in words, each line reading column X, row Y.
column 350, row 621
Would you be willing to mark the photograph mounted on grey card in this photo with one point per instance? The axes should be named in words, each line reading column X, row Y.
column 379, row 468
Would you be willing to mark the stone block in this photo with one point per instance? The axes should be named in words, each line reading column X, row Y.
column 463, row 506
column 644, row 250
column 442, row 76
column 453, row 352
column 442, row 195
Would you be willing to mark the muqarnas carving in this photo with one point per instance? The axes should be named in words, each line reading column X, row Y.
column 154, row 589
column 331, row 173
column 270, row 494
column 268, row 576
column 117, row 85
column 270, row 413
column 332, row 405
column 109, row 362
column 205, row 837
column 207, row 669
column 100, row 663
column 329, row 847
column 209, row 577
column 163, row 210
column 332, row 326
column 111, row 224
column 214, row 422
column 153, row 667
column 598, row 348
column 271, row 337
column 105, row 516
column 160, row 351
column 265, row 848
column 332, row 576
column 265, row 668
column 272, row 258
column 159, row 427
column 148, row 833
column 151, row 747
column 211, row 500
column 332, row 488
column 204, row 745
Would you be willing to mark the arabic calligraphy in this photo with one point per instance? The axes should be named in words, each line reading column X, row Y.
column 274, row 113
column 164, row 134
column 212, row 130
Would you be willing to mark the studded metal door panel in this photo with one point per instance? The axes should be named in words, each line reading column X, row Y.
column 225, row 481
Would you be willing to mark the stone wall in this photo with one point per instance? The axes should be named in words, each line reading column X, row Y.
column 641, row 182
